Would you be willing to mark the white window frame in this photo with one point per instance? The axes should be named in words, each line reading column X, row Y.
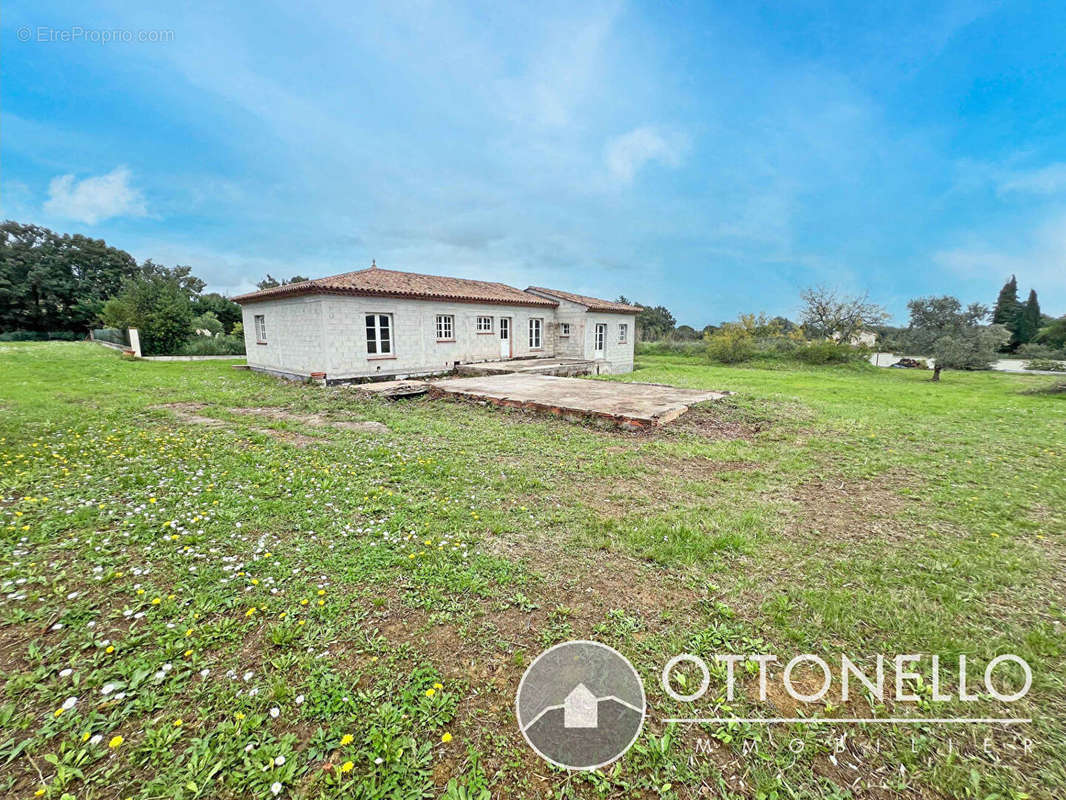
column 483, row 325
column 445, row 327
column 623, row 332
column 260, row 329
column 378, row 346
column 536, row 333
column 564, row 328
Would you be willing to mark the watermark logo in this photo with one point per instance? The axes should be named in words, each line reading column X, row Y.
column 580, row 705
column 78, row 33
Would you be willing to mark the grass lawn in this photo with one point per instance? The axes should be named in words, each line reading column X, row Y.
column 212, row 584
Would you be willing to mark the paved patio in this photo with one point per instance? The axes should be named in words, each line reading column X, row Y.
column 631, row 405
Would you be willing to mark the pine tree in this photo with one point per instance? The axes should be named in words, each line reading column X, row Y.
column 1028, row 320
column 1006, row 309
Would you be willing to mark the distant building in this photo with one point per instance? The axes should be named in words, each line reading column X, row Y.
column 384, row 323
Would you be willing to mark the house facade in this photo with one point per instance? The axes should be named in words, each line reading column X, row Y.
column 381, row 323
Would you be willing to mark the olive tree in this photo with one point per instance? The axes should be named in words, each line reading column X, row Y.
column 956, row 338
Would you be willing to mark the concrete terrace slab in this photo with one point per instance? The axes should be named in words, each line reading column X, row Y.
column 632, row 405
column 536, row 366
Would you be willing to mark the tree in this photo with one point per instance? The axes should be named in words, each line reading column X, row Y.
column 652, row 323
column 1027, row 324
column 955, row 338
column 56, row 282
column 1054, row 335
column 270, row 282
column 686, row 333
column 158, row 302
column 227, row 312
column 1006, row 309
column 827, row 315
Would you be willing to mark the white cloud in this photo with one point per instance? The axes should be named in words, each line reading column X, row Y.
column 94, row 199
column 626, row 154
column 1036, row 256
column 1046, row 180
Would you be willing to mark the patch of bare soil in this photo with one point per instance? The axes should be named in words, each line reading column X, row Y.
column 313, row 420
column 186, row 412
column 850, row 510
column 715, row 421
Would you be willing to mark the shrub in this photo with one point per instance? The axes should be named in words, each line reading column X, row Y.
column 827, row 352
column 670, row 347
column 213, row 346
column 23, row 336
column 731, row 344
column 1045, row 365
column 1031, row 350
column 207, row 321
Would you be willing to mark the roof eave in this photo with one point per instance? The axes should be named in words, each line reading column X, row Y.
column 281, row 293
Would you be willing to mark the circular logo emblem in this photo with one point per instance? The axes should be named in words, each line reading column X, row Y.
column 580, row 705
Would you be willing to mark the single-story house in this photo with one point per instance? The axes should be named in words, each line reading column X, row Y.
column 381, row 323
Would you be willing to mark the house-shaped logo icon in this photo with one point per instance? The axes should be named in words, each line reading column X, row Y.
column 581, row 708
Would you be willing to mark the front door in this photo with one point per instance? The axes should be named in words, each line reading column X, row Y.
column 505, row 337
column 600, row 341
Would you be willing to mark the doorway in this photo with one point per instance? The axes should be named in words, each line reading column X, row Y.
column 505, row 337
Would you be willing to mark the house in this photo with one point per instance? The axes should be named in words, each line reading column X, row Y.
column 581, row 709
column 383, row 323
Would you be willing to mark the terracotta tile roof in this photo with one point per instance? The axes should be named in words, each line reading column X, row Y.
column 592, row 303
column 377, row 282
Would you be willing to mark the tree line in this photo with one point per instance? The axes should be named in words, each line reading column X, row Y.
column 59, row 286
column 834, row 327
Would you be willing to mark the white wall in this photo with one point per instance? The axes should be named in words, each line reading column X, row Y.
column 294, row 334
column 332, row 338
column 327, row 333
column 618, row 356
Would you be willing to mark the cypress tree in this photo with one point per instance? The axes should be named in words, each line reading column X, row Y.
column 1028, row 323
column 1007, row 305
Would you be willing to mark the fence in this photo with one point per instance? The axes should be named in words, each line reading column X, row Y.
column 117, row 336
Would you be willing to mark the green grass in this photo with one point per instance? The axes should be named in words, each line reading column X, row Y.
column 300, row 597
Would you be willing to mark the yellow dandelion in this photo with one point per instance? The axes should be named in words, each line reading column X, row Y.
column 430, row 692
column 116, row 742
column 446, row 738
column 347, row 739
column 177, row 723
column 109, row 649
column 347, row 766
column 438, row 686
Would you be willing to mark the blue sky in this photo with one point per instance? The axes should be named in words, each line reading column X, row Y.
column 715, row 157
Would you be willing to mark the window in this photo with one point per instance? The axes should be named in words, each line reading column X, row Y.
column 535, row 325
column 564, row 328
column 260, row 329
column 623, row 332
column 445, row 327
column 379, row 334
column 484, row 325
